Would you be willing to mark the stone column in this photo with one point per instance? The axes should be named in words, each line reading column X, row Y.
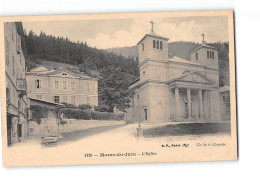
column 206, row 104
column 177, row 103
column 200, row 104
column 189, row 103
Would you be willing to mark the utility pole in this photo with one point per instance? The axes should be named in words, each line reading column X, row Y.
column 58, row 119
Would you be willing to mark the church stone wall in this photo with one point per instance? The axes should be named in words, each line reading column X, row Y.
column 157, row 103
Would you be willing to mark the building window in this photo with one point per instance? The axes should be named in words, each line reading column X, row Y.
column 143, row 46
column 73, row 100
column 137, row 96
column 56, row 85
column 65, row 99
column 64, row 85
column 197, row 56
column 72, row 85
column 133, row 102
column 143, row 72
column 87, row 100
column 37, row 83
column 158, row 45
column 6, row 51
column 210, row 54
column 153, row 43
column 13, row 67
column 87, row 86
column 161, row 45
column 56, row 99
column 39, row 96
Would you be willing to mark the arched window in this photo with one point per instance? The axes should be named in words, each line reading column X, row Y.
column 157, row 44
column 197, row 56
column 161, row 45
column 143, row 46
column 153, row 43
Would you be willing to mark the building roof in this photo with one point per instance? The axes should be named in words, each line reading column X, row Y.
column 204, row 45
column 181, row 60
column 153, row 34
column 45, row 72
column 44, row 102
column 224, row 89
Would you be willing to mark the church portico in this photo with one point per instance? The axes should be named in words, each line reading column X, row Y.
column 190, row 104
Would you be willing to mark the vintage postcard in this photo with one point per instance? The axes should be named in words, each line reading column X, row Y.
column 118, row 88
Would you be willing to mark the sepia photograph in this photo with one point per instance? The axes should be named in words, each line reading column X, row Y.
column 118, row 88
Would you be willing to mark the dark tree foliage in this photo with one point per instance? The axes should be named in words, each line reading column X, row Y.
column 116, row 71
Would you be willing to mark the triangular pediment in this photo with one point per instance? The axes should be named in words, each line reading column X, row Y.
column 64, row 74
column 194, row 77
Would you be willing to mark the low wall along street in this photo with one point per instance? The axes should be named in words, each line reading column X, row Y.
column 50, row 127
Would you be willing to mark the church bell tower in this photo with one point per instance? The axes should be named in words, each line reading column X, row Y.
column 153, row 46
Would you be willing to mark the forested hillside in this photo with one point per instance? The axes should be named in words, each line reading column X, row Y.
column 183, row 50
column 116, row 71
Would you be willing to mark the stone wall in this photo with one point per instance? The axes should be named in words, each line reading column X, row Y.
column 50, row 127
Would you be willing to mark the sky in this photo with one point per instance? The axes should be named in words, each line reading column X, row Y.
column 109, row 33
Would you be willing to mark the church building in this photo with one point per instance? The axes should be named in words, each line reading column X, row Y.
column 174, row 89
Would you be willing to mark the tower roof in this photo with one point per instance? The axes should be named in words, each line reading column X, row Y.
column 153, row 34
column 204, row 45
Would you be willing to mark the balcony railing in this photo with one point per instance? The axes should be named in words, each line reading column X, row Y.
column 21, row 84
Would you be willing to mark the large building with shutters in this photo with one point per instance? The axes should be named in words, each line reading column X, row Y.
column 16, row 86
column 62, row 86
column 174, row 89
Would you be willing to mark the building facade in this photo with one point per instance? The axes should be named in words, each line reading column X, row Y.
column 62, row 86
column 174, row 89
column 16, row 86
column 225, row 102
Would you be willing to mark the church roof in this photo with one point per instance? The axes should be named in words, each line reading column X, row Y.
column 181, row 60
column 153, row 34
column 224, row 89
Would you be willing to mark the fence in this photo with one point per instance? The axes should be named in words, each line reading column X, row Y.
column 70, row 113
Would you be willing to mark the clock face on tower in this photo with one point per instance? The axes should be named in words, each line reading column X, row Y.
column 195, row 77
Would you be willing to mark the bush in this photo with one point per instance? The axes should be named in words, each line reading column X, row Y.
column 102, row 108
column 38, row 112
column 106, row 116
column 76, row 113
column 85, row 106
column 88, row 115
